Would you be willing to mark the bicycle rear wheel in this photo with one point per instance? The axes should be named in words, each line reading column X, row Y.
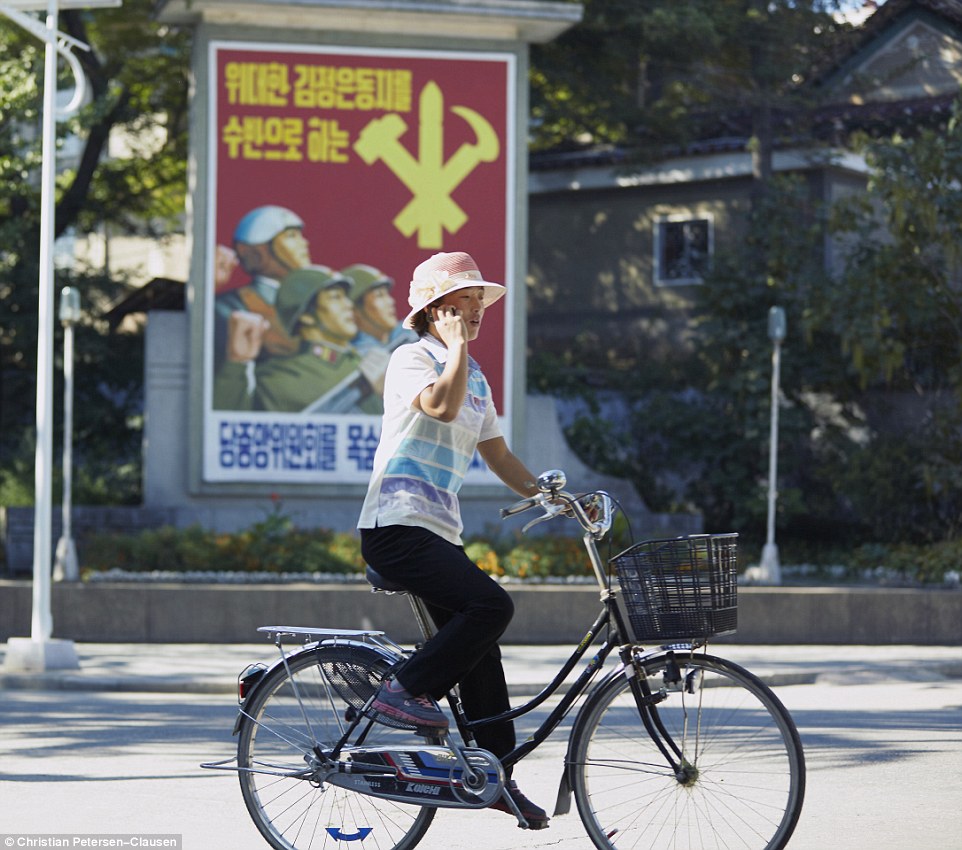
column 290, row 713
column 740, row 777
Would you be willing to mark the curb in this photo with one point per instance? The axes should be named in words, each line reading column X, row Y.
column 544, row 614
column 71, row 681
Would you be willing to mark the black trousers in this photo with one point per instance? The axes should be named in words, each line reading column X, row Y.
column 471, row 612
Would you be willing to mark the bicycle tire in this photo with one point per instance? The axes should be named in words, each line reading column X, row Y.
column 744, row 780
column 294, row 813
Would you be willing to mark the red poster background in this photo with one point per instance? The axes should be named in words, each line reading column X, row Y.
column 348, row 207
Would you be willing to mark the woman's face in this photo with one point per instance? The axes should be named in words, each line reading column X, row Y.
column 470, row 302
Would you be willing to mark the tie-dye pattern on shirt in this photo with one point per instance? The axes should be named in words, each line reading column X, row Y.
column 424, row 476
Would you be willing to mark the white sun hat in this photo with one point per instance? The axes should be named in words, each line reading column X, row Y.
column 444, row 273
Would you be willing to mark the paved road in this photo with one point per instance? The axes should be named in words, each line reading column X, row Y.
column 883, row 742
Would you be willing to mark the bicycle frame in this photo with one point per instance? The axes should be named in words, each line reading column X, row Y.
column 553, row 500
column 610, row 616
column 577, row 688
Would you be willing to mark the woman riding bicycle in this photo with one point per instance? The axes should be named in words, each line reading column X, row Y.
column 437, row 410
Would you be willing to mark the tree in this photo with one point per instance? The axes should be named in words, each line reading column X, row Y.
column 695, row 435
column 871, row 420
column 137, row 73
column 643, row 74
column 871, row 436
column 897, row 312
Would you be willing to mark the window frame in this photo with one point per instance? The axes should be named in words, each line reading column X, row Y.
column 659, row 223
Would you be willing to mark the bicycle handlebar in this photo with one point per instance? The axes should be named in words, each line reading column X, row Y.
column 519, row 507
column 555, row 501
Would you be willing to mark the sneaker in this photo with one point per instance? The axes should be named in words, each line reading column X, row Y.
column 421, row 712
column 536, row 817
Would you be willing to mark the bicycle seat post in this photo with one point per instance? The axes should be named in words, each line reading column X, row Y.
column 421, row 615
column 380, row 584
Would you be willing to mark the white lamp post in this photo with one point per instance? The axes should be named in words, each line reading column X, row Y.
column 65, row 566
column 40, row 652
column 770, row 571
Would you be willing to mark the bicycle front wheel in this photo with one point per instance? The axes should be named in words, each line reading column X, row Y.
column 309, row 704
column 736, row 773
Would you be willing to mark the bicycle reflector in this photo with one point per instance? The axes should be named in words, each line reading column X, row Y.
column 248, row 678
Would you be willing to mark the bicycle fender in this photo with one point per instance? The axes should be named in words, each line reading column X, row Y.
column 563, row 803
column 257, row 679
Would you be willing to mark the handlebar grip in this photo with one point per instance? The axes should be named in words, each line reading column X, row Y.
column 518, row 507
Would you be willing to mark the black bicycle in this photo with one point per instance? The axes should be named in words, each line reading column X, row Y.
column 673, row 747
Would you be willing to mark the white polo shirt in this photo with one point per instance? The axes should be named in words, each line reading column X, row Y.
column 420, row 461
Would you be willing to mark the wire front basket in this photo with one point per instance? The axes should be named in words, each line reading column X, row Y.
column 685, row 587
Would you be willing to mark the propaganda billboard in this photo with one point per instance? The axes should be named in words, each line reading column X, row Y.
column 332, row 173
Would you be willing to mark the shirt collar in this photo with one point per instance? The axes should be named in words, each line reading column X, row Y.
column 438, row 350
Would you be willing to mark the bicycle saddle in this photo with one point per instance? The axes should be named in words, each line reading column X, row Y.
column 378, row 582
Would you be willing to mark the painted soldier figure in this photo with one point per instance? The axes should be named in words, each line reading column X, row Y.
column 375, row 309
column 269, row 243
column 325, row 375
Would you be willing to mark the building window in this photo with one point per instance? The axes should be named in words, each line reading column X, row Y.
column 683, row 249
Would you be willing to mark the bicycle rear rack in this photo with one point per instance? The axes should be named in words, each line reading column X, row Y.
column 331, row 637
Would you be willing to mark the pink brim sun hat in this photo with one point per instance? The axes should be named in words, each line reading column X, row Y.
column 444, row 273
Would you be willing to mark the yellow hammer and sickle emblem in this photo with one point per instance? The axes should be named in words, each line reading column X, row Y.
column 431, row 180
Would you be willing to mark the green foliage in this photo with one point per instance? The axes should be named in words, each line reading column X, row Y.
column 274, row 546
column 541, row 557
column 899, row 314
column 538, row 557
column 569, row 103
column 907, row 563
column 485, row 556
column 16, row 475
column 650, row 72
column 859, row 460
column 271, row 546
column 108, row 399
column 695, row 435
column 138, row 81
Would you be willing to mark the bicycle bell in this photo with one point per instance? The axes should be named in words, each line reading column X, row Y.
column 552, row 481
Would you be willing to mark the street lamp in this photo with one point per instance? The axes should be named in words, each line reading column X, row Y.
column 65, row 566
column 770, row 571
column 40, row 651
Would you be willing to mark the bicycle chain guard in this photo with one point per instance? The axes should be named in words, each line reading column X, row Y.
column 427, row 776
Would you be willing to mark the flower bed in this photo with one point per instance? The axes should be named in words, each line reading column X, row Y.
column 275, row 551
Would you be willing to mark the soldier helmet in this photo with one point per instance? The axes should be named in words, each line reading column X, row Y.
column 299, row 289
column 364, row 278
column 262, row 224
